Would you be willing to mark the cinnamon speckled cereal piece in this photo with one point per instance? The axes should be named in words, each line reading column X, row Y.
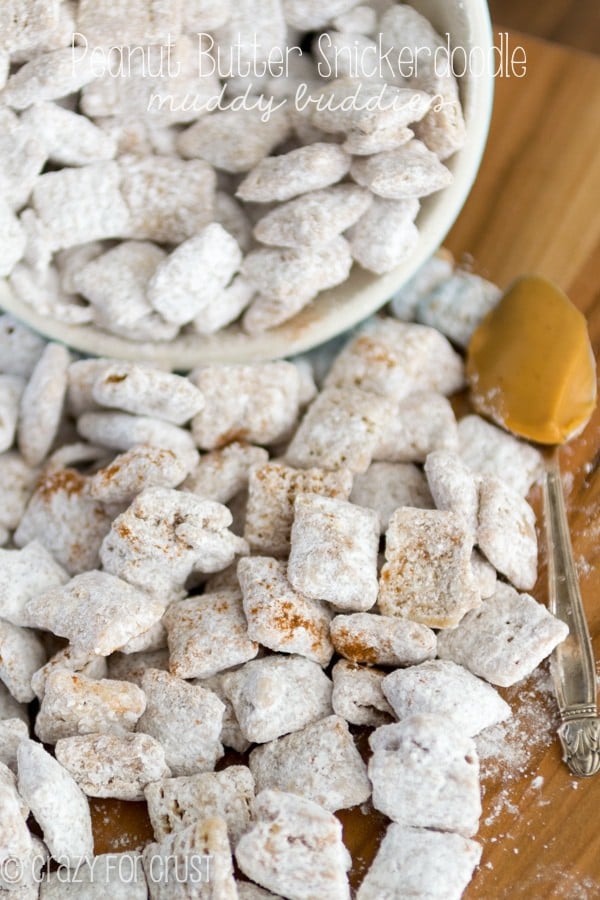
column 186, row 719
column 489, row 450
column 176, row 803
column 72, row 660
column 146, row 391
column 306, row 169
column 340, row 430
column 425, row 772
column 358, row 696
column 207, row 634
column 21, row 654
column 422, row 423
column 295, row 848
column 276, row 695
column 25, row 574
column 453, row 486
column 278, row 616
column 42, row 404
column 418, row 862
column 333, row 552
column 382, row 640
column 254, row 403
column 385, row 235
column 131, row 667
column 97, row 612
column 272, row 489
column 313, row 218
column 427, row 574
column 387, row 485
column 109, row 765
column 319, row 762
column 396, row 359
column 409, row 171
column 221, row 474
column 506, row 532
column 136, row 470
column 505, row 638
column 442, row 687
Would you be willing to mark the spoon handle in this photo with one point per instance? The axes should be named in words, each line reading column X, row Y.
column 572, row 664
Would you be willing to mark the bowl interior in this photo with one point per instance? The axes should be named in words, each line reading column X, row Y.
column 334, row 311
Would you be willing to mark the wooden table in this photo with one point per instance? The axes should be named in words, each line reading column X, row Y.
column 536, row 208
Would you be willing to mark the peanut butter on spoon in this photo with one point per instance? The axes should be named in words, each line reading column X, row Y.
column 531, row 369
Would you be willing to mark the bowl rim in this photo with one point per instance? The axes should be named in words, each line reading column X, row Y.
column 333, row 312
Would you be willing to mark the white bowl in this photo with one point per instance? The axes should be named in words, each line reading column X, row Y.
column 334, row 311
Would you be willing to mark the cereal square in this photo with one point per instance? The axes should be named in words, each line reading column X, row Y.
column 506, row 532
column 489, row 450
column 382, row 640
column 387, row 485
column 358, row 696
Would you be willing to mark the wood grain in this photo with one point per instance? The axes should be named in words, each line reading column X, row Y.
column 572, row 22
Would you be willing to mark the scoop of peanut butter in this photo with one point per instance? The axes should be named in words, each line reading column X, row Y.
column 530, row 364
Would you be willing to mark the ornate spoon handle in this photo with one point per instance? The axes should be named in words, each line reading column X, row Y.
column 572, row 664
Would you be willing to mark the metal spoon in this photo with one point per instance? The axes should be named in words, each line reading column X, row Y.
column 536, row 339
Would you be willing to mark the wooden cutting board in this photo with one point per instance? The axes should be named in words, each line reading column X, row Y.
column 536, row 208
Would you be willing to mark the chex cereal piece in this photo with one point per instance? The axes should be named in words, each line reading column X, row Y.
column 333, row 554
column 155, row 638
column 201, row 851
column 165, row 535
column 422, row 422
column 285, row 274
column 175, row 803
column 11, row 708
column 425, row 772
column 506, row 532
column 387, row 485
column 68, row 263
column 73, row 704
column 41, row 290
column 110, row 765
column 139, row 468
column 116, row 875
column 235, row 140
column 443, row 129
column 442, row 687
column 115, row 284
column 382, row 139
column 14, row 239
column 427, row 574
column 204, row 15
column 254, row 30
column 131, row 667
column 255, row 403
column 231, row 735
column 105, row 23
column 453, row 486
column 278, row 616
column 21, row 654
column 12, row 732
column 69, row 659
column 385, row 235
column 340, row 430
column 68, row 524
column 297, row 172
column 382, row 640
column 49, row 76
column 97, row 612
column 185, row 719
column 61, row 35
column 313, row 218
column 363, row 105
column 417, row 862
column 211, row 258
column 225, row 308
column 23, row 156
column 122, row 431
column 409, row 171
column 146, row 391
column 207, row 634
column 59, row 806
column 221, row 474
column 489, row 450
column 457, row 305
column 296, row 764
column 485, row 575
column 25, row 574
column 169, row 200
column 69, row 139
column 18, row 481
column 11, row 388
column 357, row 694
column 27, row 22
column 81, row 205
column 436, row 270
column 295, row 848
column 277, row 695
column 42, row 404
column 20, row 348
column 396, row 359
column 272, row 489
column 505, row 638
